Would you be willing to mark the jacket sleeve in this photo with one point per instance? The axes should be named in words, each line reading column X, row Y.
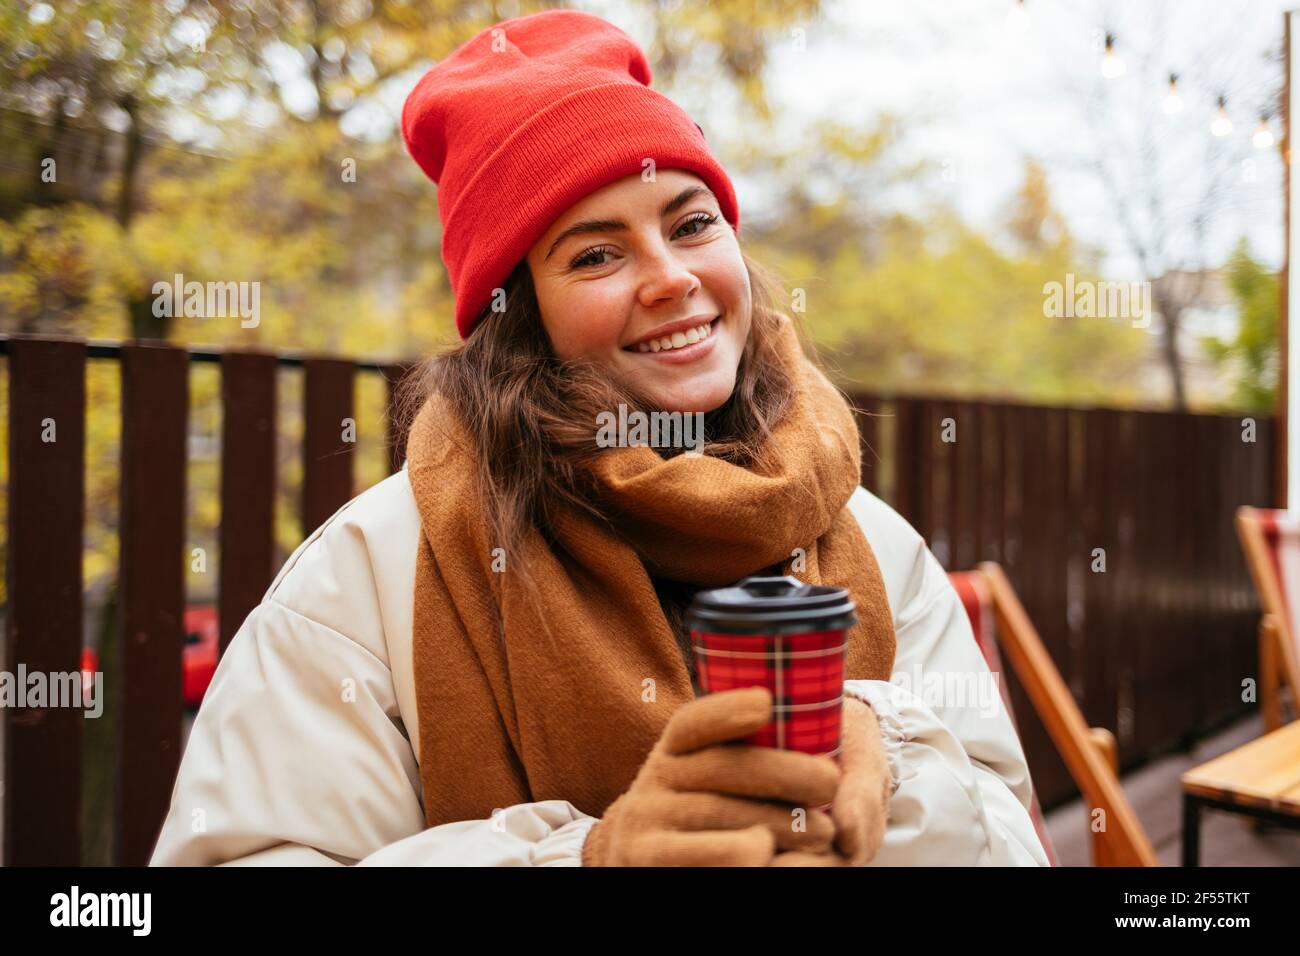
column 298, row 757
column 961, row 787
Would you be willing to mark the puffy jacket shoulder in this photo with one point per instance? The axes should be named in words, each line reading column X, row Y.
column 355, row 575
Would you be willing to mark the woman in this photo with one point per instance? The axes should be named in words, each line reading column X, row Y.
column 481, row 660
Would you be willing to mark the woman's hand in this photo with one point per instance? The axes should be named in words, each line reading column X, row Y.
column 861, row 808
column 703, row 799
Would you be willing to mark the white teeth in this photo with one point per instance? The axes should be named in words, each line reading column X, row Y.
column 677, row 339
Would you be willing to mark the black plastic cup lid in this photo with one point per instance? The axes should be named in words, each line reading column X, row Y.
column 771, row 605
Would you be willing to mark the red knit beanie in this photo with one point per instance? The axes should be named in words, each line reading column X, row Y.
column 524, row 120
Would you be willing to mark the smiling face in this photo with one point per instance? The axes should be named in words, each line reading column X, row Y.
column 647, row 279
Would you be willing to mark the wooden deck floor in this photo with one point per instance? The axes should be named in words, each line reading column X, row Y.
column 1227, row 839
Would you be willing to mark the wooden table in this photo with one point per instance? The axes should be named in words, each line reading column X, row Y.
column 1260, row 779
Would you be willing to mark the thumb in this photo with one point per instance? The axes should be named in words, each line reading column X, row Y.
column 860, row 809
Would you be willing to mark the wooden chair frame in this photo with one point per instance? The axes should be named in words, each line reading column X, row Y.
column 1090, row 753
column 1279, row 671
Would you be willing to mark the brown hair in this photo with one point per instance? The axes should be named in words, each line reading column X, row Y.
column 534, row 416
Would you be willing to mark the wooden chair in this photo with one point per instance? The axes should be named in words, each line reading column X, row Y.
column 1271, row 541
column 1090, row 753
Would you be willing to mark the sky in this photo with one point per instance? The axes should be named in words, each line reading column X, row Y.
column 981, row 89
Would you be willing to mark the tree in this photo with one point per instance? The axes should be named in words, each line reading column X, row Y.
column 1252, row 354
column 1166, row 181
column 934, row 306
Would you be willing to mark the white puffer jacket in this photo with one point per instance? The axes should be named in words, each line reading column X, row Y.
column 285, row 766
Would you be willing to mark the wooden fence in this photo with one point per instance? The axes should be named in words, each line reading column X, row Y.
column 43, row 759
column 1155, row 647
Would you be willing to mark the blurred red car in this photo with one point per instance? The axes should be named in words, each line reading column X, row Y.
column 89, row 668
column 199, row 656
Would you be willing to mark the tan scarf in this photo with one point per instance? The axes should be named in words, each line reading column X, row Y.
column 569, row 711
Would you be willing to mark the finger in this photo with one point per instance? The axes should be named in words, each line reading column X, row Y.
column 792, row 827
column 745, row 770
column 860, row 822
column 850, row 822
column 717, row 718
column 861, row 808
column 753, row 846
column 804, row 858
column 858, row 725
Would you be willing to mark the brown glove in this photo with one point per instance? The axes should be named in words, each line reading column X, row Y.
column 699, row 800
column 861, row 808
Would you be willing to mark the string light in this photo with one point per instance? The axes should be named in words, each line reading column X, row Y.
column 1263, row 137
column 1111, row 65
column 1221, row 125
column 1173, row 102
column 1017, row 18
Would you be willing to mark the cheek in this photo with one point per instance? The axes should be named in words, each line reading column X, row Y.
column 583, row 320
column 724, row 274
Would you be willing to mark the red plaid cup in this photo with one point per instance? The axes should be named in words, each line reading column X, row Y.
column 787, row 636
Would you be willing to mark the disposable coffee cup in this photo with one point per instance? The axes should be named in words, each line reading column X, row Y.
column 787, row 636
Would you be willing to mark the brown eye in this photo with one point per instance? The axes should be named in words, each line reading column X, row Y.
column 703, row 218
column 584, row 259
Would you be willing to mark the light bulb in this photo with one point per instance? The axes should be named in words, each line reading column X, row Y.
column 1111, row 65
column 1017, row 19
column 1173, row 102
column 1263, row 137
column 1221, row 126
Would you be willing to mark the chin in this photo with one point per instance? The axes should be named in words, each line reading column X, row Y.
column 703, row 398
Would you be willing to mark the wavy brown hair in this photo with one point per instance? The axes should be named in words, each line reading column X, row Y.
column 535, row 417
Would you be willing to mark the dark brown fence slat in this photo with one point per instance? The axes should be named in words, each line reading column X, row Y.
column 930, row 480
column 867, row 412
column 1040, row 574
column 47, row 451
column 1219, row 683
column 247, row 535
column 155, row 412
column 1195, row 595
column 1155, row 691
column 327, row 456
column 1011, row 494
column 906, row 457
column 1100, row 552
column 1218, row 551
column 988, row 485
column 964, row 486
column 1127, row 564
column 1076, row 555
column 1144, row 548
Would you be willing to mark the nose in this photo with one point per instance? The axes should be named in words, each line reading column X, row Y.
column 664, row 276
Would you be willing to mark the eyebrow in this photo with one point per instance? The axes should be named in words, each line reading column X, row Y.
column 615, row 225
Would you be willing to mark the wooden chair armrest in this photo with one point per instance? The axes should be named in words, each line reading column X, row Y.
column 1086, row 753
column 1104, row 741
